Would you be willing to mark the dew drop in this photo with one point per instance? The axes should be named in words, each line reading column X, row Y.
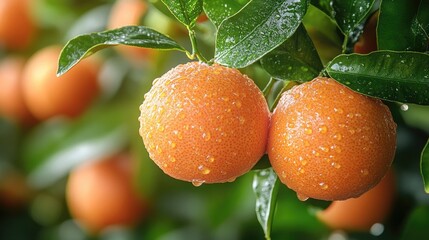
column 352, row 131
column 172, row 144
column 335, row 165
column 325, row 149
column 338, row 136
column 283, row 175
column 304, row 162
column 158, row 149
column 404, row 107
column 323, row 185
column 364, row 172
column 237, row 104
column 161, row 128
column 171, row 158
column 350, row 115
column 308, row 131
column 301, row 170
column 204, row 170
column 225, row 99
column 231, row 179
column 302, row 197
column 197, row 183
column 323, row 129
column 241, row 120
column 210, row 159
column 206, row 136
column 178, row 134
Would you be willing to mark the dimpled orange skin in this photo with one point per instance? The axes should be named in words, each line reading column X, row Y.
column 101, row 194
column 17, row 28
column 359, row 214
column 68, row 95
column 330, row 143
column 12, row 103
column 204, row 124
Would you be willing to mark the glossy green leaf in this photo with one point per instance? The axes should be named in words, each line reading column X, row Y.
column 393, row 76
column 295, row 59
column 261, row 26
column 55, row 147
column 424, row 166
column 219, row 10
column 350, row 13
column 347, row 13
column 404, row 30
column 266, row 188
column 186, row 11
column 420, row 27
column 85, row 45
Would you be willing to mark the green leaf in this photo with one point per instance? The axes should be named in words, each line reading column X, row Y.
column 416, row 226
column 295, row 59
column 266, row 188
column 85, row 45
column 350, row 13
column 55, row 147
column 219, row 10
column 424, row 166
column 393, row 76
column 347, row 13
column 420, row 27
column 186, row 11
column 403, row 25
column 261, row 26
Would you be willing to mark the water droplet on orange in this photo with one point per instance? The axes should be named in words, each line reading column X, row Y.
column 323, row 129
column 302, row 197
column 197, row 183
column 308, row 131
column 206, row 136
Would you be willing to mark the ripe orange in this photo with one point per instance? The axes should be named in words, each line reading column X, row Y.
column 129, row 13
column 48, row 95
column 17, row 28
column 204, row 124
column 328, row 142
column 359, row 214
column 12, row 103
column 101, row 194
column 368, row 40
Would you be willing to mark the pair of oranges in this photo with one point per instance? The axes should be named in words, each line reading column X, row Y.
column 211, row 124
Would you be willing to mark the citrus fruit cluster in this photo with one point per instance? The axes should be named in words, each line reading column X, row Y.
column 211, row 124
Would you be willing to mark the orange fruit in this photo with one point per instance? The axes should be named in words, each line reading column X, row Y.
column 204, row 124
column 12, row 103
column 68, row 95
column 368, row 40
column 328, row 142
column 359, row 214
column 129, row 13
column 17, row 28
column 101, row 194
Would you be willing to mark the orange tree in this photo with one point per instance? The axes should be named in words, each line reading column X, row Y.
column 294, row 42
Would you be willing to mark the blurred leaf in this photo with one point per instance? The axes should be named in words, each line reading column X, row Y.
column 186, row 11
column 393, row 76
column 296, row 59
column 424, row 166
column 85, row 45
column 92, row 21
column 412, row 20
column 347, row 13
column 9, row 141
column 219, row 10
column 324, row 34
column 416, row 226
column 258, row 28
column 57, row 146
column 266, row 188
